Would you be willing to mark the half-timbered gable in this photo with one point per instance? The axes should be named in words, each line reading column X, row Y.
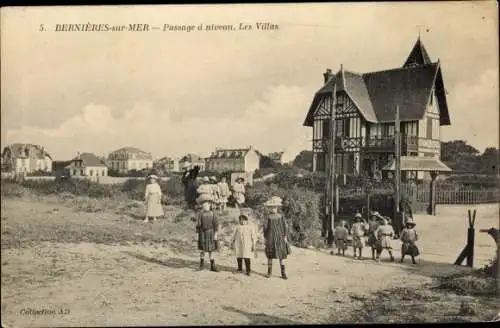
column 365, row 113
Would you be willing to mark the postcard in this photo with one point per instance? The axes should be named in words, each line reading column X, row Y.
column 249, row 164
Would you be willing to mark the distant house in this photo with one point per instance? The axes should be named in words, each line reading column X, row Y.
column 26, row 158
column 167, row 164
column 276, row 157
column 194, row 160
column 239, row 160
column 86, row 165
column 129, row 158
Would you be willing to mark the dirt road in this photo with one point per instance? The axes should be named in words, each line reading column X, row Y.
column 157, row 283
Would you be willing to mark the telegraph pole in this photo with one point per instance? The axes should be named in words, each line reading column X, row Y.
column 397, row 175
column 332, row 188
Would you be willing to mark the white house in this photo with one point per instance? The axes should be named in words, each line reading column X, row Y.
column 87, row 165
column 237, row 160
column 129, row 158
column 26, row 158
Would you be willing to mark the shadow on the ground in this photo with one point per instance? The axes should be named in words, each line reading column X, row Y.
column 261, row 318
column 431, row 269
column 178, row 263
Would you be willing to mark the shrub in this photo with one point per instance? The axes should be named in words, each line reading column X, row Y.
column 301, row 208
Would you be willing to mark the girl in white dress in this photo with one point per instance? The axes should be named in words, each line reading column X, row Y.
column 243, row 243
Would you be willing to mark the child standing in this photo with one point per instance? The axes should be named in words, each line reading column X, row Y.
column 243, row 243
column 207, row 226
column 384, row 234
column 372, row 237
column 224, row 192
column 409, row 237
column 275, row 233
column 340, row 237
column 358, row 231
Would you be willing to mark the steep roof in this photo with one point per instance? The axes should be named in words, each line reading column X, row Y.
column 89, row 159
column 229, row 153
column 18, row 150
column 418, row 55
column 408, row 88
column 377, row 94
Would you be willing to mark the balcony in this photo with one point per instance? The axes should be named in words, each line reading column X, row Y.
column 370, row 144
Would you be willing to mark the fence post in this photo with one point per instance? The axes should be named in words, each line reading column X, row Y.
column 470, row 239
column 468, row 251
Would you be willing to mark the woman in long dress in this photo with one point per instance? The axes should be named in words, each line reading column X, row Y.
column 189, row 178
column 152, row 196
column 275, row 234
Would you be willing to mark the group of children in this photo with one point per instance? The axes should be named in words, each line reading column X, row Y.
column 218, row 193
column 245, row 237
column 376, row 234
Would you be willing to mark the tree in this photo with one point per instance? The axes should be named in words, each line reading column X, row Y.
column 489, row 160
column 304, row 160
column 267, row 162
column 460, row 156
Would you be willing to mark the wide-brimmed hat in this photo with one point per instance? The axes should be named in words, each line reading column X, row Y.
column 410, row 221
column 358, row 216
column 274, row 201
column 376, row 214
column 153, row 177
column 240, row 179
column 206, row 179
column 212, row 178
column 243, row 217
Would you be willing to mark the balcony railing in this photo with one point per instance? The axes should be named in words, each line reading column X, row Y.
column 373, row 143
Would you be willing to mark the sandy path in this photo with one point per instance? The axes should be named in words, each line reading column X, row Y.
column 104, row 285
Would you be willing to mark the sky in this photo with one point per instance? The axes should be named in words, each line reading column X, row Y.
column 172, row 93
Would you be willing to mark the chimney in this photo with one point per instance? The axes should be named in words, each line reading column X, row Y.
column 327, row 75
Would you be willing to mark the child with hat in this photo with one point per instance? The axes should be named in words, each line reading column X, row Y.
column 239, row 192
column 275, row 233
column 207, row 227
column 358, row 231
column 373, row 224
column 384, row 234
column 243, row 243
column 409, row 238
column 205, row 191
